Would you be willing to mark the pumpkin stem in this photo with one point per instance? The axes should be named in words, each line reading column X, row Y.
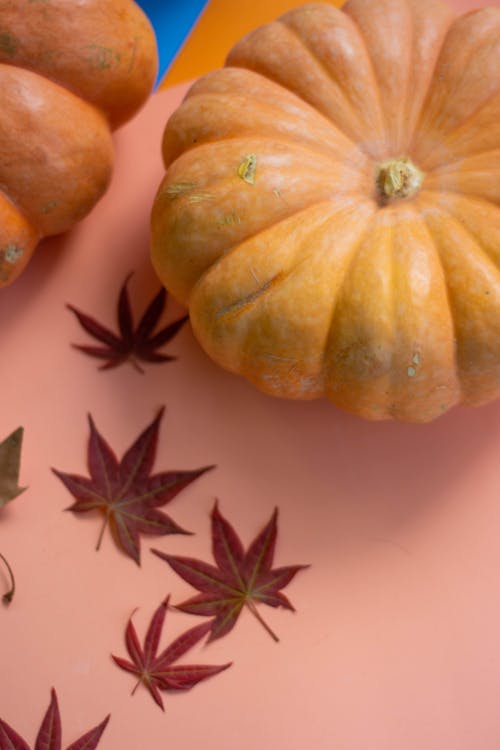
column 398, row 178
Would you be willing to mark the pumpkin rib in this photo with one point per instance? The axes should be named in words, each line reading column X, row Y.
column 258, row 63
column 403, row 96
column 254, row 85
column 466, row 62
column 459, row 165
column 362, row 104
column 449, row 137
column 464, row 207
column 432, row 71
column 393, row 408
column 234, row 249
column 466, row 142
column 299, row 256
column 475, row 239
column 248, row 128
column 466, row 191
column 471, row 117
column 376, row 76
column 353, row 167
column 265, row 90
column 356, row 367
column 327, row 348
column 314, row 385
column 425, row 405
column 441, row 114
column 355, row 114
column 465, row 364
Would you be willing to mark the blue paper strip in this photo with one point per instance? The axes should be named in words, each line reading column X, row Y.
column 172, row 21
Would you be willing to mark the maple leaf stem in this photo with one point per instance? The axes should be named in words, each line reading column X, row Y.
column 9, row 595
column 135, row 364
column 253, row 609
column 136, row 686
column 101, row 533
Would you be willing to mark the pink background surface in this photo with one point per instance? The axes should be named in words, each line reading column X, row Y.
column 395, row 640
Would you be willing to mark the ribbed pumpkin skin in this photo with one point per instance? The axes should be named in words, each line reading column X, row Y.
column 298, row 273
column 70, row 72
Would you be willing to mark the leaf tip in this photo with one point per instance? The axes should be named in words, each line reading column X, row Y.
column 104, row 722
column 159, row 553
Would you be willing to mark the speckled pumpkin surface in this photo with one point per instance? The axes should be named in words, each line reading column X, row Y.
column 70, row 72
column 330, row 212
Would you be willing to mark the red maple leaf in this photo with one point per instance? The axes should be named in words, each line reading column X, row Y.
column 125, row 492
column 240, row 578
column 49, row 735
column 157, row 672
column 132, row 343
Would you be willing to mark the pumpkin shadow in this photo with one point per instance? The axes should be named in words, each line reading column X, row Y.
column 30, row 286
column 340, row 479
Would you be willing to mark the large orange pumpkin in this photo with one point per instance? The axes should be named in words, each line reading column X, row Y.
column 69, row 73
column 330, row 212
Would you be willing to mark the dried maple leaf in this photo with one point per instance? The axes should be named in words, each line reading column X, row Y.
column 125, row 492
column 132, row 343
column 240, row 578
column 10, row 459
column 157, row 672
column 49, row 735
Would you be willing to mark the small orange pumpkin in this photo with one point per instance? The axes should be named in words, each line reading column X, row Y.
column 69, row 73
column 330, row 212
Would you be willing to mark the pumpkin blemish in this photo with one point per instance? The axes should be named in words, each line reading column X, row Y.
column 48, row 207
column 8, row 44
column 11, row 253
column 102, row 58
column 229, row 220
column 247, row 168
column 179, row 188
